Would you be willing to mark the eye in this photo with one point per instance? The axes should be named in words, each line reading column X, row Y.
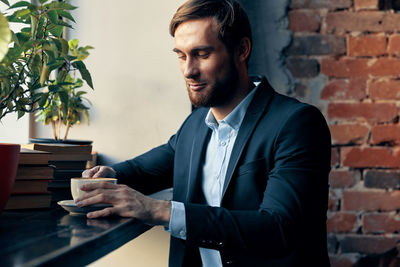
column 203, row 54
column 181, row 56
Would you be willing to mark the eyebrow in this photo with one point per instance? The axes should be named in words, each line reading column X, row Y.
column 196, row 49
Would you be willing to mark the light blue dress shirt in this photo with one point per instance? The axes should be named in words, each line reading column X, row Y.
column 218, row 153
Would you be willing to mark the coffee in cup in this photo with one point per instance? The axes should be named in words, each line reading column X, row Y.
column 76, row 183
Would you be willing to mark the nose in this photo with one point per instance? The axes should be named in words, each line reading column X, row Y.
column 190, row 68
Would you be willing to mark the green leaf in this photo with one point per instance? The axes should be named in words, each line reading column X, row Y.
column 55, row 65
column 53, row 16
column 34, row 26
column 5, row 36
column 43, row 99
column 79, row 65
column 81, row 93
column 66, row 14
column 60, row 6
column 73, row 43
column 63, row 97
column 44, row 74
column 57, row 31
column 20, row 4
column 86, row 76
column 8, row 4
column 20, row 113
column 64, row 46
column 84, row 72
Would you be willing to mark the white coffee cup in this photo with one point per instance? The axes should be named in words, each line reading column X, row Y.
column 76, row 183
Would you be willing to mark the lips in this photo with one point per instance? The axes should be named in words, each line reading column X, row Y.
column 196, row 86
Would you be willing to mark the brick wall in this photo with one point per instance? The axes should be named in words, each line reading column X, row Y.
column 345, row 55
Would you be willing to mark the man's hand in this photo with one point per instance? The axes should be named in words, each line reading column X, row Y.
column 99, row 171
column 126, row 202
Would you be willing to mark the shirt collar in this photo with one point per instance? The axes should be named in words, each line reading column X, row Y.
column 235, row 117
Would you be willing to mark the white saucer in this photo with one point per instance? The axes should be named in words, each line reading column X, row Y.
column 69, row 205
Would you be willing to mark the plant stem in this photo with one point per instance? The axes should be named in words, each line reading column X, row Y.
column 53, row 125
column 67, row 130
column 59, row 121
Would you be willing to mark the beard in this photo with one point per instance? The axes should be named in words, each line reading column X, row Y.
column 220, row 93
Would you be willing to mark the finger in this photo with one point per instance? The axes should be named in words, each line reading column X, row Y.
column 90, row 172
column 103, row 185
column 105, row 171
column 101, row 213
column 89, row 194
column 96, row 197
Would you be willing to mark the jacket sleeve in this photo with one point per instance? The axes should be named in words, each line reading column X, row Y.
column 294, row 200
column 151, row 171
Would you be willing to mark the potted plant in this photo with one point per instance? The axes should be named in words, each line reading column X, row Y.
column 8, row 152
column 67, row 105
column 39, row 72
column 35, row 68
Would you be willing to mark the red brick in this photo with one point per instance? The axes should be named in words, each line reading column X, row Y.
column 304, row 20
column 332, row 243
column 382, row 179
column 371, row 112
column 329, row 4
column 394, row 45
column 366, row 4
column 333, row 201
column 348, row 134
column 388, row 133
column 342, row 178
column 381, row 223
column 366, row 45
column 369, row 21
column 335, row 157
column 368, row 244
column 370, row 157
column 370, row 200
column 344, row 260
column 384, row 90
column 360, row 67
column 339, row 222
column 317, row 45
column 345, row 89
column 303, row 68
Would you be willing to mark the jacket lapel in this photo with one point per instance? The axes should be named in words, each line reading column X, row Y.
column 253, row 115
column 199, row 146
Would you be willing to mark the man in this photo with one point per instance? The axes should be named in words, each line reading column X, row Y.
column 249, row 167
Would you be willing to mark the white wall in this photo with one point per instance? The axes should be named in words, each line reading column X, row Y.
column 140, row 98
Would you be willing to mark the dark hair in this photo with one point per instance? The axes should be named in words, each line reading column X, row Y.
column 233, row 23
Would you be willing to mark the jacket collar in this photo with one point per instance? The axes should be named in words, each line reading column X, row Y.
column 255, row 110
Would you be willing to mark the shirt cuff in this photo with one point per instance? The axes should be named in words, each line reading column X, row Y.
column 177, row 221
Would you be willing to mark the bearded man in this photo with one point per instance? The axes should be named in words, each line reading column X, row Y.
column 249, row 167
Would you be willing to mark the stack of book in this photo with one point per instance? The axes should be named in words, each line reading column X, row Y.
column 31, row 183
column 68, row 160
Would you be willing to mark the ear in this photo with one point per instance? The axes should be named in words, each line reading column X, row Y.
column 244, row 49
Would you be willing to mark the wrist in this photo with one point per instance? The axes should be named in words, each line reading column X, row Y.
column 162, row 212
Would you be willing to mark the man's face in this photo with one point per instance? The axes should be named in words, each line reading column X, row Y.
column 205, row 63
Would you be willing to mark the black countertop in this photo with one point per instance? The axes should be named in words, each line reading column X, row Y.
column 52, row 237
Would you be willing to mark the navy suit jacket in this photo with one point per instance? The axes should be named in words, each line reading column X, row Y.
column 273, row 210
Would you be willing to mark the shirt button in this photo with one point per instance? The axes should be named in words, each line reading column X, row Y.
column 182, row 233
column 223, row 143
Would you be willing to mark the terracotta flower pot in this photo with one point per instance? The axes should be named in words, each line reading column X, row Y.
column 9, row 156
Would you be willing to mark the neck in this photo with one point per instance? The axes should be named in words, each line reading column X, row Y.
column 242, row 89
